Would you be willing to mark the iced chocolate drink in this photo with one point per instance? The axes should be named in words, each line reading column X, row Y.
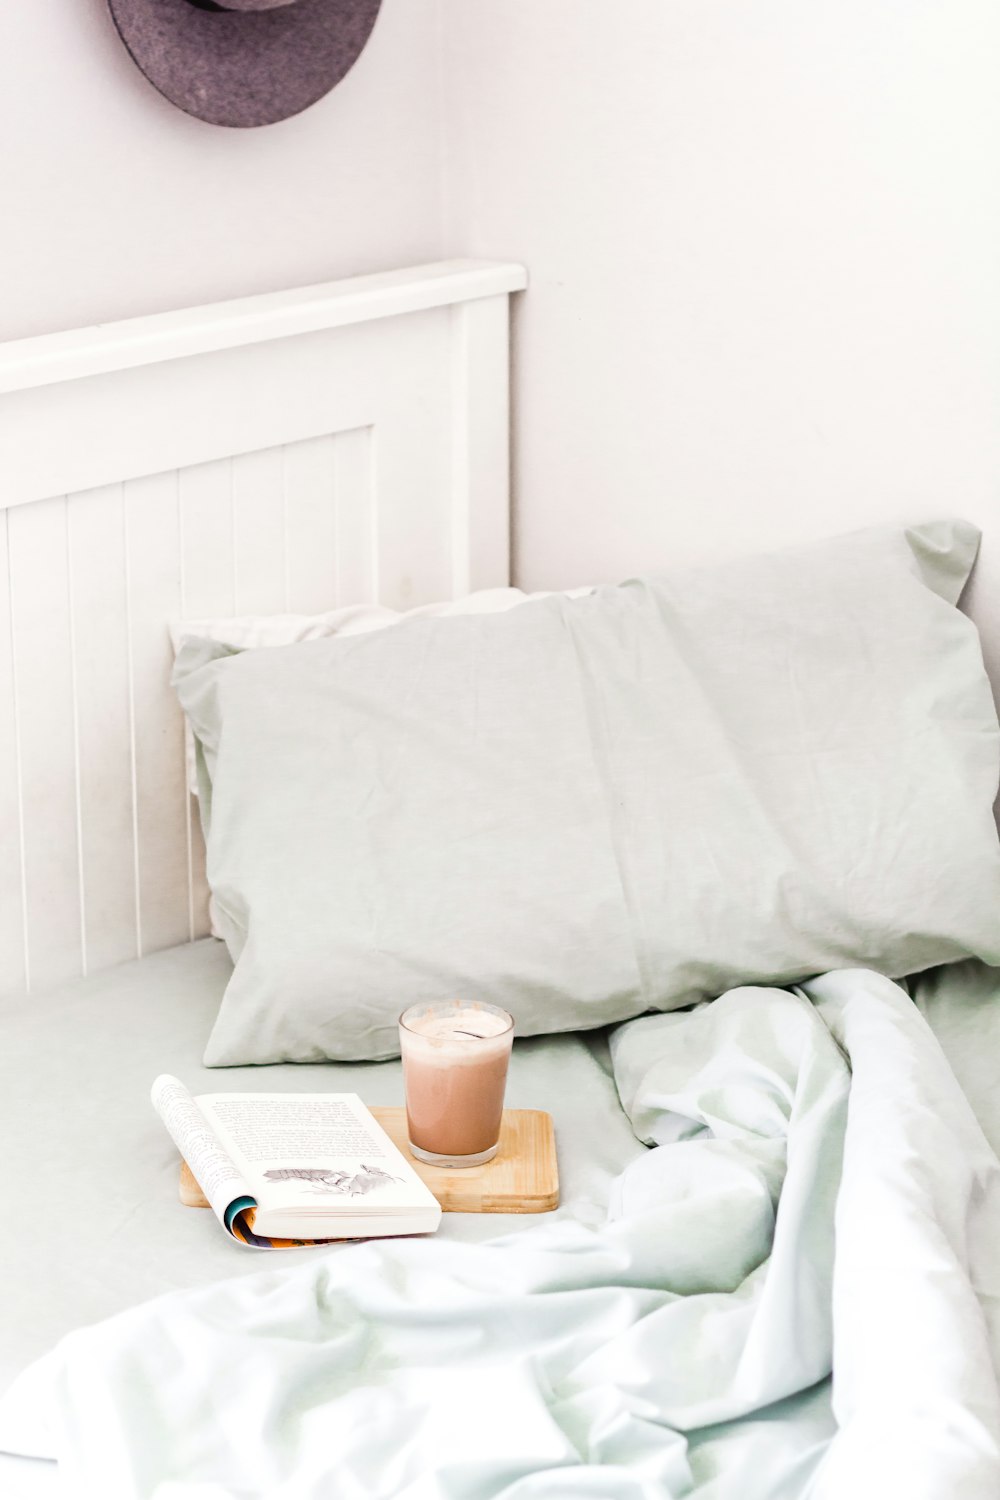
column 455, row 1056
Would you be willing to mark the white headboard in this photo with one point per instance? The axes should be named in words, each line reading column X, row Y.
column 335, row 444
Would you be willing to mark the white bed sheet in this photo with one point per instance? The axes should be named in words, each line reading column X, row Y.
column 91, row 1176
column 961, row 1004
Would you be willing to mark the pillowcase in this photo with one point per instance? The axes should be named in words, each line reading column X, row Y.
column 583, row 809
column 252, row 632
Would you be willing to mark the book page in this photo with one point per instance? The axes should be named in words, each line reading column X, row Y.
column 311, row 1148
column 217, row 1174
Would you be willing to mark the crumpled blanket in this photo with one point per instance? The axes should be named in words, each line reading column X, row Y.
column 795, row 1295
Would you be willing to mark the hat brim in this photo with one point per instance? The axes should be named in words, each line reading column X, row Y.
column 244, row 68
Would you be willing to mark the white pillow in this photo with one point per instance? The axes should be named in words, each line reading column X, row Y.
column 583, row 809
column 253, row 632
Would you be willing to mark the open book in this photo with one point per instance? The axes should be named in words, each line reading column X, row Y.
column 282, row 1169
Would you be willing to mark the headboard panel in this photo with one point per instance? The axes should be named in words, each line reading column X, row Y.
column 335, row 445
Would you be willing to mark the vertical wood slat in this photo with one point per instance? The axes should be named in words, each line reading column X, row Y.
column 356, row 541
column 311, row 525
column 480, row 441
column 199, row 921
column 13, row 975
column 209, row 566
column 100, row 617
column 412, row 563
column 152, row 528
column 42, row 655
column 259, row 532
column 208, row 558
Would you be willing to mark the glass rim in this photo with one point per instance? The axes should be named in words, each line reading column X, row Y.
column 431, row 1005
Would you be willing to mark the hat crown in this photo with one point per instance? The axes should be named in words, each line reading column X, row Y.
column 243, row 63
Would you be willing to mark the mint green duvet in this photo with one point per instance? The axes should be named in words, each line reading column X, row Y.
column 817, row 1196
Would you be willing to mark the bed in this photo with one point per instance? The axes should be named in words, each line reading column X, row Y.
column 344, row 446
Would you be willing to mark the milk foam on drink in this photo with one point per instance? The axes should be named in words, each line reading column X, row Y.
column 455, row 1056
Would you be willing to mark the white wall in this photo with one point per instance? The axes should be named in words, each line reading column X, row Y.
column 114, row 203
column 764, row 248
column 763, row 239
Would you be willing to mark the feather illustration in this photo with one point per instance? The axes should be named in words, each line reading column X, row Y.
column 332, row 1180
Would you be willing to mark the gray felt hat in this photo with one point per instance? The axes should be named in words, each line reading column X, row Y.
column 244, row 62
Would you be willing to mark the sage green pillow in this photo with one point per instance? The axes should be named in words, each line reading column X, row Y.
column 588, row 808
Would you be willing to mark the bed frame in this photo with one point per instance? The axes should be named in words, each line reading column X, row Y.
column 336, row 444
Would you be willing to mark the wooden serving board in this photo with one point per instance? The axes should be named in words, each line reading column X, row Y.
column 523, row 1177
